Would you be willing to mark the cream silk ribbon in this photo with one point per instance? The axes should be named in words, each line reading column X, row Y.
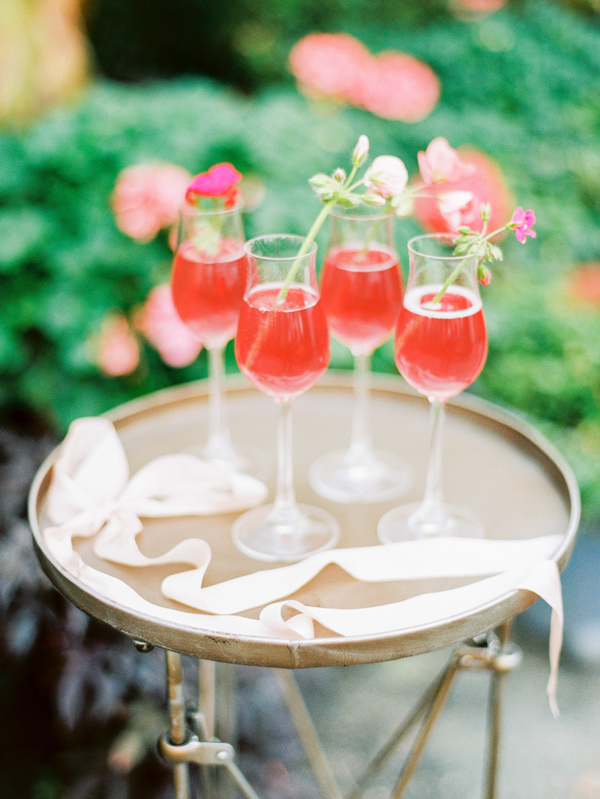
column 92, row 495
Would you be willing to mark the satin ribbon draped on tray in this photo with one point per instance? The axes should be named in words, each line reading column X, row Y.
column 92, row 495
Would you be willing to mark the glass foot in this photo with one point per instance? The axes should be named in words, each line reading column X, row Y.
column 375, row 478
column 267, row 535
column 409, row 522
column 244, row 458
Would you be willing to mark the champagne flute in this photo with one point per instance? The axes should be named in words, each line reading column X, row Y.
column 361, row 289
column 282, row 346
column 208, row 280
column 440, row 347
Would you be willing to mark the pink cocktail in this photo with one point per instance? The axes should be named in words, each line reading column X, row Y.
column 361, row 290
column 440, row 347
column 282, row 346
column 208, row 279
column 208, row 289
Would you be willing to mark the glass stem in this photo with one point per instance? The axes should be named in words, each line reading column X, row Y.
column 285, row 499
column 360, row 441
column 219, row 445
column 432, row 507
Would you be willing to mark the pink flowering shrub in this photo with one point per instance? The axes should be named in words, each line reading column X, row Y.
column 398, row 86
column 391, row 85
column 158, row 321
column 483, row 179
column 478, row 8
column 146, row 198
column 118, row 350
column 583, row 285
column 330, row 65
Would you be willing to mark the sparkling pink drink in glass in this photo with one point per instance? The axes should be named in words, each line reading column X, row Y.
column 282, row 346
column 361, row 289
column 440, row 346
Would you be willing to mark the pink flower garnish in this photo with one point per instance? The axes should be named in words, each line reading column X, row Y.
column 522, row 223
column 387, row 176
column 118, row 349
column 157, row 319
column 220, row 180
column 399, row 86
column 440, row 162
column 146, row 198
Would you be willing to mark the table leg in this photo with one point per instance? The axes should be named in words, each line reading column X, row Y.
column 492, row 652
column 307, row 734
column 177, row 728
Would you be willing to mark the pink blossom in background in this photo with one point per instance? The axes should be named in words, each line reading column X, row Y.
column 330, row 65
column 391, row 85
column 583, row 285
column 118, row 349
column 485, row 181
column 477, row 7
column 147, row 197
column 398, row 86
column 157, row 319
column 440, row 162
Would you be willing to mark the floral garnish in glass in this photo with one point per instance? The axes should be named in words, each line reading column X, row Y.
column 282, row 346
column 361, row 288
column 208, row 280
column 440, row 347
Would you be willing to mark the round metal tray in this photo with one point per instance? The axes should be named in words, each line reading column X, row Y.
column 498, row 465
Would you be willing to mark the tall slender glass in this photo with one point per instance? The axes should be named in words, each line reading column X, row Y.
column 208, row 280
column 440, row 346
column 282, row 346
column 361, row 289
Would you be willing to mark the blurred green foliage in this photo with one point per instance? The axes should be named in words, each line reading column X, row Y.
column 518, row 85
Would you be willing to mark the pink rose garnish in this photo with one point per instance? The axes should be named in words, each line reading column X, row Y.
column 146, row 198
column 399, row 86
column 220, row 180
column 160, row 324
column 522, row 223
column 118, row 349
column 387, row 176
column 440, row 162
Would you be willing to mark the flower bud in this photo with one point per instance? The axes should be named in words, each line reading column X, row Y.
column 485, row 210
column 484, row 275
column 339, row 175
column 360, row 151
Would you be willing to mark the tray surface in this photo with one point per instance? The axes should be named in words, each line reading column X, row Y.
column 494, row 463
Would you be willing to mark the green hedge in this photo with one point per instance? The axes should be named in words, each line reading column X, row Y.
column 517, row 85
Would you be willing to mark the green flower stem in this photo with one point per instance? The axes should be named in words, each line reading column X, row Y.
column 370, row 237
column 310, row 236
column 316, row 226
column 449, row 280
